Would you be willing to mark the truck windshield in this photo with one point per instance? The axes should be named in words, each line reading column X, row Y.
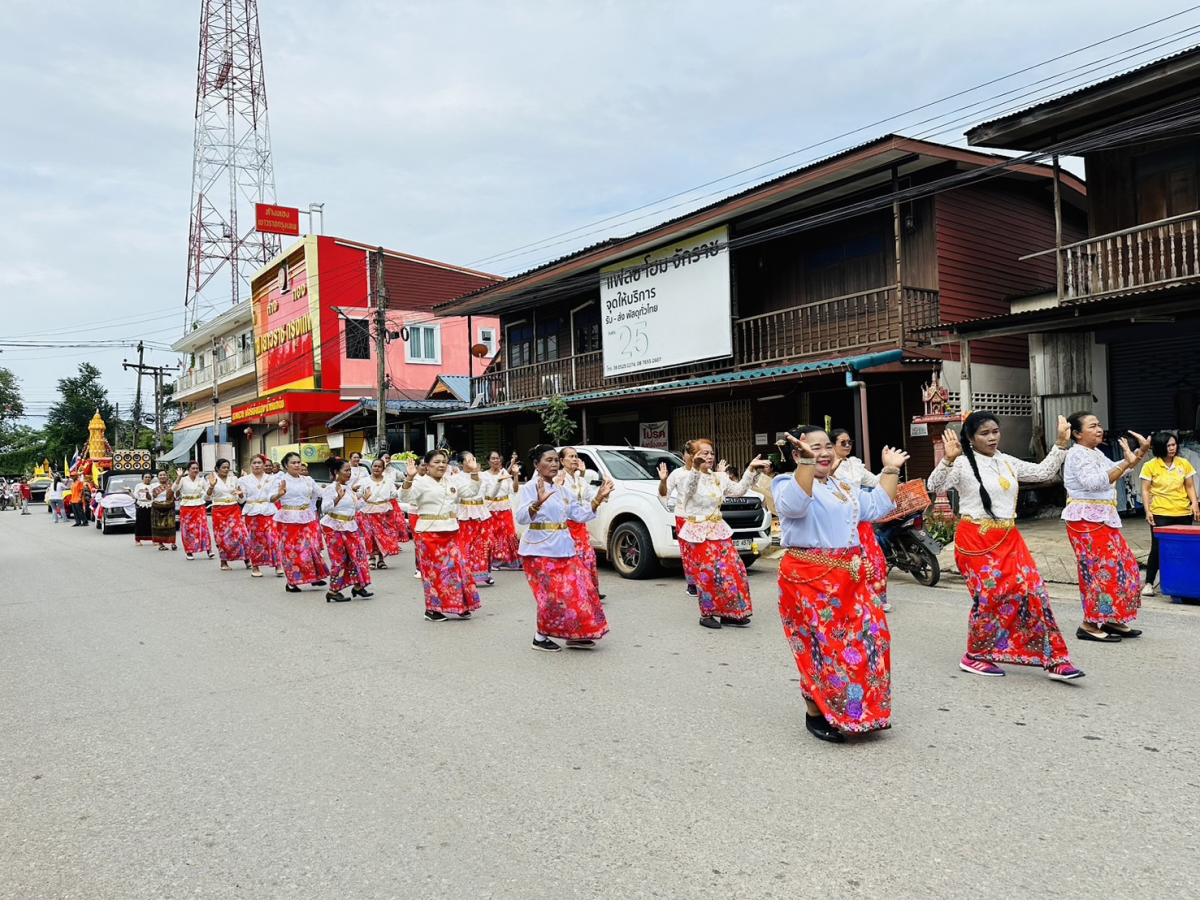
column 119, row 483
column 638, row 465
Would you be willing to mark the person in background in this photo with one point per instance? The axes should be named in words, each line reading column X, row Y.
column 1168, row 494
column 26, row 496
column 299, row 532
column 162, row 513
column 259, row 515
column 228, row 524
column 77, row 501
column 55, row 495
column 192, row 490
column 376, row 517
column 499, row 487
column 348, row 561
column 853, row 471
column 474, row 521
column 143, row 501
column 669, row 490
column 572, row 476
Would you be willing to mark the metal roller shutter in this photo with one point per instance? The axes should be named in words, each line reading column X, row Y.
column 1154, row 384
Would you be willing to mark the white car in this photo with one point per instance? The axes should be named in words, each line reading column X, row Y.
column 636, row 527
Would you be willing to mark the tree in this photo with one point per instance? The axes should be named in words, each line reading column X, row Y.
column 11, row 407
column 556, row 419
column 21, row 448
column 67, row 425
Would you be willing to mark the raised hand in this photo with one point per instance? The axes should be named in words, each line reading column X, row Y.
column 1143, row 445
column 757, row 463
column 212, row 479
column 951, row 445
column 410, row 469
column 606, row 490
column 543, row 491
column 341, row 492
column 663, row 472
column 1130, row 457
column 1063, row 436
column 722, row 466
column 894, row 457
column 801, row 446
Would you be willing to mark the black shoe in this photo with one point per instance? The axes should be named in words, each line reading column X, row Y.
column 1106, row 638
column 488, row 580
column 434, row 616
column 602, row 596
column 710, row 622
column 736, row 623
column 1127, row 633
column 319, row 584
column 465, row 615
column 361, row 593
column 819, row 727
column 546, row 644
column 291, row 588
column 335, row 597
column 580, row 645
column 691, row 590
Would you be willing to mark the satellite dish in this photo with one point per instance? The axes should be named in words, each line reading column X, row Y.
column 479, row 350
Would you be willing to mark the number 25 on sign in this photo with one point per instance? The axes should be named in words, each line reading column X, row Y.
column 632, row 339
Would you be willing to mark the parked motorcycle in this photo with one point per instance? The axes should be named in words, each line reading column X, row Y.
column 908, row 547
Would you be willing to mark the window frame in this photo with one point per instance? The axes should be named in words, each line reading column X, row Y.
column 437, row 344
column 364, row 327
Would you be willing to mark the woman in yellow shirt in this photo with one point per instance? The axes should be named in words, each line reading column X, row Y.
column 1169, row 495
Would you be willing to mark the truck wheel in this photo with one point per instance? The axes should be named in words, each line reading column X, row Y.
column 630, row 550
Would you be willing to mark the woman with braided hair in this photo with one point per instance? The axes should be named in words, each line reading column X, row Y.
column 1011, row 620
column 838, row 635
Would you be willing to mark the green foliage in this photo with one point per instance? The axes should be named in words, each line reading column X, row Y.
column 941, row 527
column 11, row 407
column 67, row 424
column 556, row 419
column 21, row 449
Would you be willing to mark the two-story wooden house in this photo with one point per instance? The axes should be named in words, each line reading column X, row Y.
column 796, row 300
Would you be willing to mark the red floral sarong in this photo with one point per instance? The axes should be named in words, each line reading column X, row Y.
column 877, row 573
column 473, row 535
column 449, row 587
column 302, row 559
column 348, row 564
column 504, row 540
column 568, row 606
column 685, row 550
column 264, row 541
column 585, row 551
column 1109, row 579
column 721, row 585
column 378, row 533
column 403, row 535
column 840, row 639
column 193, row 527
column 229, row 531
column 1011, row 620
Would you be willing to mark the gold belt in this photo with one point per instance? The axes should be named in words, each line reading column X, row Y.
column 297, row 508
column 444, row 518
column 852, row 563
column 224, row 503
column 986, row 525
column 340, row 517
column 547, row 526
column 1112, row 503
column 715, row 517
column 471, row 502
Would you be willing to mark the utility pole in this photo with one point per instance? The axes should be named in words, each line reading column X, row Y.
column 137, row 398
column 381, row 354
column 216, row 399
column 157, row 373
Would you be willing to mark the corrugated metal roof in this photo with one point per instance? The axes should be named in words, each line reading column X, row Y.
column 397, row 406
column 855, row 363
column 458, row 385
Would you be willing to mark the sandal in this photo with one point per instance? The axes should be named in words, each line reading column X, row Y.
column 382, row 565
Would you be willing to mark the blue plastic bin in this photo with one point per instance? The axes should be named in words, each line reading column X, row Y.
column 1179, row 561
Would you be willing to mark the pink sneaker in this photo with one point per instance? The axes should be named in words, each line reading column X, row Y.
column 979, row 667
column 1064, row 672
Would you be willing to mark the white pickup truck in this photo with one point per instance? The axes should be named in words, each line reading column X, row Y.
column 636, row 528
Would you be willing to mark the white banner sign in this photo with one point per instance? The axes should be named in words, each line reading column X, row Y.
column 654, row 435
column 668, row 307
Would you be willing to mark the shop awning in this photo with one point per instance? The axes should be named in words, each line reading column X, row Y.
column 398, row 407
column 185, row 439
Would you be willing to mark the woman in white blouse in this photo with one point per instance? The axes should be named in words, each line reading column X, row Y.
column 851, row 470
column 376, row 517
column 720, row 574
column 343, row 538
column 1011, row 620
column 1109, row 579
column 229, row 528
column 299, row 532
column 568, row 605
column 403, row 535
column 499, row 487
column 191, row 491
column 838, row 636
column 474, row 521
column 449, row 585
column 142, row 498
column 573, row 477
column 669, row 490
column 259, row 513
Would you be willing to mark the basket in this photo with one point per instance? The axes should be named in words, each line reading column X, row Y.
column 911, row 497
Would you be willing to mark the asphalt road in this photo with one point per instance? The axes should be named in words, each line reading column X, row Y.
column 168, row 730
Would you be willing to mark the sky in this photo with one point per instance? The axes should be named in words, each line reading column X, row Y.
column 460, row 131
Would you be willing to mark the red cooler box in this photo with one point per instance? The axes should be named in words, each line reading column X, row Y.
column 1179, row 561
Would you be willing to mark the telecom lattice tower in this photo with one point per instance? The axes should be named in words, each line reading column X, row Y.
column 231, row 169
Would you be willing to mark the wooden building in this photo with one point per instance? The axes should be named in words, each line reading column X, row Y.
column 834, row 271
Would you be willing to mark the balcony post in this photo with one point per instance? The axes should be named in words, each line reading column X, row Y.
column 896, row 234
column 1058, row 230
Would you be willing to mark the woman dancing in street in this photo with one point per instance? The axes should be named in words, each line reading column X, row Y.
column 573, row 477
column 162, row 514
column 853, row 472
column 1011, row 620
column 1109, row 579
column 262, row 547
column 191, row 490
column 837, row 633
column 299, row 533
column 229, row 527
column 448, row 583
column 670, row 488
column 347, row 550
column 143, row 500
column 568, row 604
column 499, row 486
column 474, row 520
column 376, row 517
column 720, row 574
column 400, row 525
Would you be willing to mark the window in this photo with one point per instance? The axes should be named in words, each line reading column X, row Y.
column 547, row 339
column 284, row 280
column 200, row 361
column 358, row 339
column 424, row 344
column 1167, row 183
column 587, row 330
column 520, row 345
column 487, row 337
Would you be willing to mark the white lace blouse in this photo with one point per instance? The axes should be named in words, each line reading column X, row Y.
column 338, row 515
column 258, row 495
column 376, row 496
column 296, row 504
column 1090, row 495
column 224, row 492
column 498, row 490
column 191, row 491
column 853, row 472
column 1001, row 474
column 700, row 497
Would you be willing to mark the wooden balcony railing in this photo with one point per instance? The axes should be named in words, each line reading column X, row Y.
column 877, row 318
column 1156, row 254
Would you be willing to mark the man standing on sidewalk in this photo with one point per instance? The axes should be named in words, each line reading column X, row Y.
column 26, row 496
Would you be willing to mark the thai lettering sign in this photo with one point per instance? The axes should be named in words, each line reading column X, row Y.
column 276, row 219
